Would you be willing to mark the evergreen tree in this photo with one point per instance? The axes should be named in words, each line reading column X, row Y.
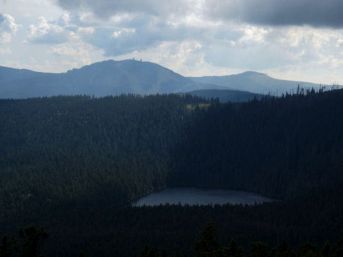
column 32, row 240
column 260, row 249
column 207, row 245
column 232, row 250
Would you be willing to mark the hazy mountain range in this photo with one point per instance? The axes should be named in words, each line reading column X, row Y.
column 255, row 82
column 137, row 77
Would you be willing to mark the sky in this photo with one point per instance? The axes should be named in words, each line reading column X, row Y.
column 289, row 39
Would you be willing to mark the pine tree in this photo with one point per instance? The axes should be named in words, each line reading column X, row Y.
column 207, row 246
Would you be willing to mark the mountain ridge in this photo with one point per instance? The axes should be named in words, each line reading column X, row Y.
column 112, row 77
column 256, row 82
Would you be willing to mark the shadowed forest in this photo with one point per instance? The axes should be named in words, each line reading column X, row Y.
column 73, row 165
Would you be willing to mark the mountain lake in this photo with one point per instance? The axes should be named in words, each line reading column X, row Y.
column 195, row 196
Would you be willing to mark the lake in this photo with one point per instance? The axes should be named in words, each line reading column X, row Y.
column 194, row 196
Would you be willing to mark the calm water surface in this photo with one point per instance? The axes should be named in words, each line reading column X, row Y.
column 193, row 196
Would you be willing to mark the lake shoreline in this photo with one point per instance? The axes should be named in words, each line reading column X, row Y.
column 192, row 196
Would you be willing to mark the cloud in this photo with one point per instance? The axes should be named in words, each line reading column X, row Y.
column 5, row 51
column 8, row 28
column 106, row 8
column 261, row 48
column 230, row 28
column 75, row 53
column 317, row 13
column 121, row 36
column 50, row 32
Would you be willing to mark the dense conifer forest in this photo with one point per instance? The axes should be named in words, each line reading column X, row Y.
column 73, row 165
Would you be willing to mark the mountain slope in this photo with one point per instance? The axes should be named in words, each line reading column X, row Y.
column 8, row 74
column 128, row 76
column 254, row 82
column 99, row 79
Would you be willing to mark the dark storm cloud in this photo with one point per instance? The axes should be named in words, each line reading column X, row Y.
column 317, row 13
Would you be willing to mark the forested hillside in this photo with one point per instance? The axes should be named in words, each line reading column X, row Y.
column 226, row 95
column 73, row 165
column 79, row 149
column 281, row 147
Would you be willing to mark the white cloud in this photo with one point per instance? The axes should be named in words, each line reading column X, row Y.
column 106, row 9
column 8, row 28
column 5, row 51
column 123, row 32
column 50, row 32
column 76, row 54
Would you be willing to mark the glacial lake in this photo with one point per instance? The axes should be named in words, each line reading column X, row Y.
column 194, row 196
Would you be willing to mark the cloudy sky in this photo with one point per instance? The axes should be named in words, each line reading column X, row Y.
column 294, row 39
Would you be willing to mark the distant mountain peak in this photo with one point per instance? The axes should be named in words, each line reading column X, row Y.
column 109, row 77
column 125, row 61
column 255, row 82
column 253, row 73
column 105, row 63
